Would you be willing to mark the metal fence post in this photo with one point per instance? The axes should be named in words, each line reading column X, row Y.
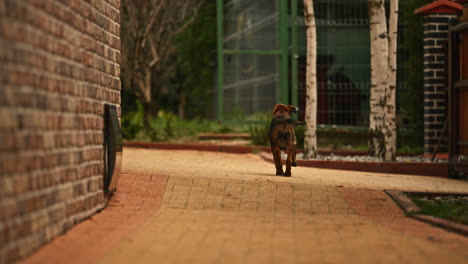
column 294, row 54
column 220, row 56
column 283, row 30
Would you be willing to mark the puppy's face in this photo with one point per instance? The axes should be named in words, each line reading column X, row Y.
column 284, row 109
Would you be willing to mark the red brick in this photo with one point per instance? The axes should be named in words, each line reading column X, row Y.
column 11, row 255
column 4, row 235
column 9, row 209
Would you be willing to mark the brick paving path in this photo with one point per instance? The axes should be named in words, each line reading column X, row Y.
column 138, row 196
column 226, row 208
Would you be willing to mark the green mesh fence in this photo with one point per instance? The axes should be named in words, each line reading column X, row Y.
column 251, row 60
column 260, row 52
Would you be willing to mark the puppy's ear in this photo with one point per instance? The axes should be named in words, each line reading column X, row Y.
column 275, row 109
column 292, row 109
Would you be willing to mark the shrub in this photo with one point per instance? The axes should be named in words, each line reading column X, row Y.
column 259, row 132
column 132, row 123
column 300, row 131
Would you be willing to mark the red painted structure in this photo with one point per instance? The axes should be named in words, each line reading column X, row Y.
column 458, row 96
column 440, row 7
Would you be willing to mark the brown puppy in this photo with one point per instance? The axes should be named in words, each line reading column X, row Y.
column 283, row 137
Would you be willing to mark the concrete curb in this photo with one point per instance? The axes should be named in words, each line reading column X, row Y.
column 410, row 207
column 411, row 168
column 234, row 149
column 225, row 136
column 197, row 146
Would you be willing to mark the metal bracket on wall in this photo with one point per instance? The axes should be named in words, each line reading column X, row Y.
column 112, row 148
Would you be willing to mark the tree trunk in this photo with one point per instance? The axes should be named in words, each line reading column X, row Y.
column 150, row 110
column 148, row 97
column 310, row 139
column 147, row 115
column 379, row 77
column 390, row 115
column 181, row 106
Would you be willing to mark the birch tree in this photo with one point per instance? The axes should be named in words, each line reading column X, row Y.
column 310, row 139
column 382, row 118
column 149, row 28
column 379, row 77
column 390, row 115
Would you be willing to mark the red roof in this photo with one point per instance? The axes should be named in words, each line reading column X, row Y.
column 440, row 7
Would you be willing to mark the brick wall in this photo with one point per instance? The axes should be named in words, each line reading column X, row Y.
column 436, row 28
column 59, row 65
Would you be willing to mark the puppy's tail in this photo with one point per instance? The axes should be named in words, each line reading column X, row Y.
column 300, row 123
column 281, row 119
column 296, row 122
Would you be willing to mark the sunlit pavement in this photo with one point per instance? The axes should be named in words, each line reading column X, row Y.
column 208, row 207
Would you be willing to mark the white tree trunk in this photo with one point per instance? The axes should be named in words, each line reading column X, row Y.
column 379, row 76
column 310, row 140
column 390, row 115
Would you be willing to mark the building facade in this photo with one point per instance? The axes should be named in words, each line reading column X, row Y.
column 59, row 67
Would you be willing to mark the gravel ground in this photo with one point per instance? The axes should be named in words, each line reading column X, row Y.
column 450, row 198
column 299, row 156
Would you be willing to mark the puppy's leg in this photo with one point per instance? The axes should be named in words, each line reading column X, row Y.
column 277, row 157
column 288, row 162
column 294, row 163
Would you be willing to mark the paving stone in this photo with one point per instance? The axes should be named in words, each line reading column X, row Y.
column 232, row 212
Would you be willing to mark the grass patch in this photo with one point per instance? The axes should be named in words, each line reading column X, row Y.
column 259, row 133
column 167, row 127
column 329, row 138
column 453, row 208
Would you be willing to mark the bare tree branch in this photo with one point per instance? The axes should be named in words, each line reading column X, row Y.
column 154, row 53
column 131, row 14
column 152, row 27
column 153, row 15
